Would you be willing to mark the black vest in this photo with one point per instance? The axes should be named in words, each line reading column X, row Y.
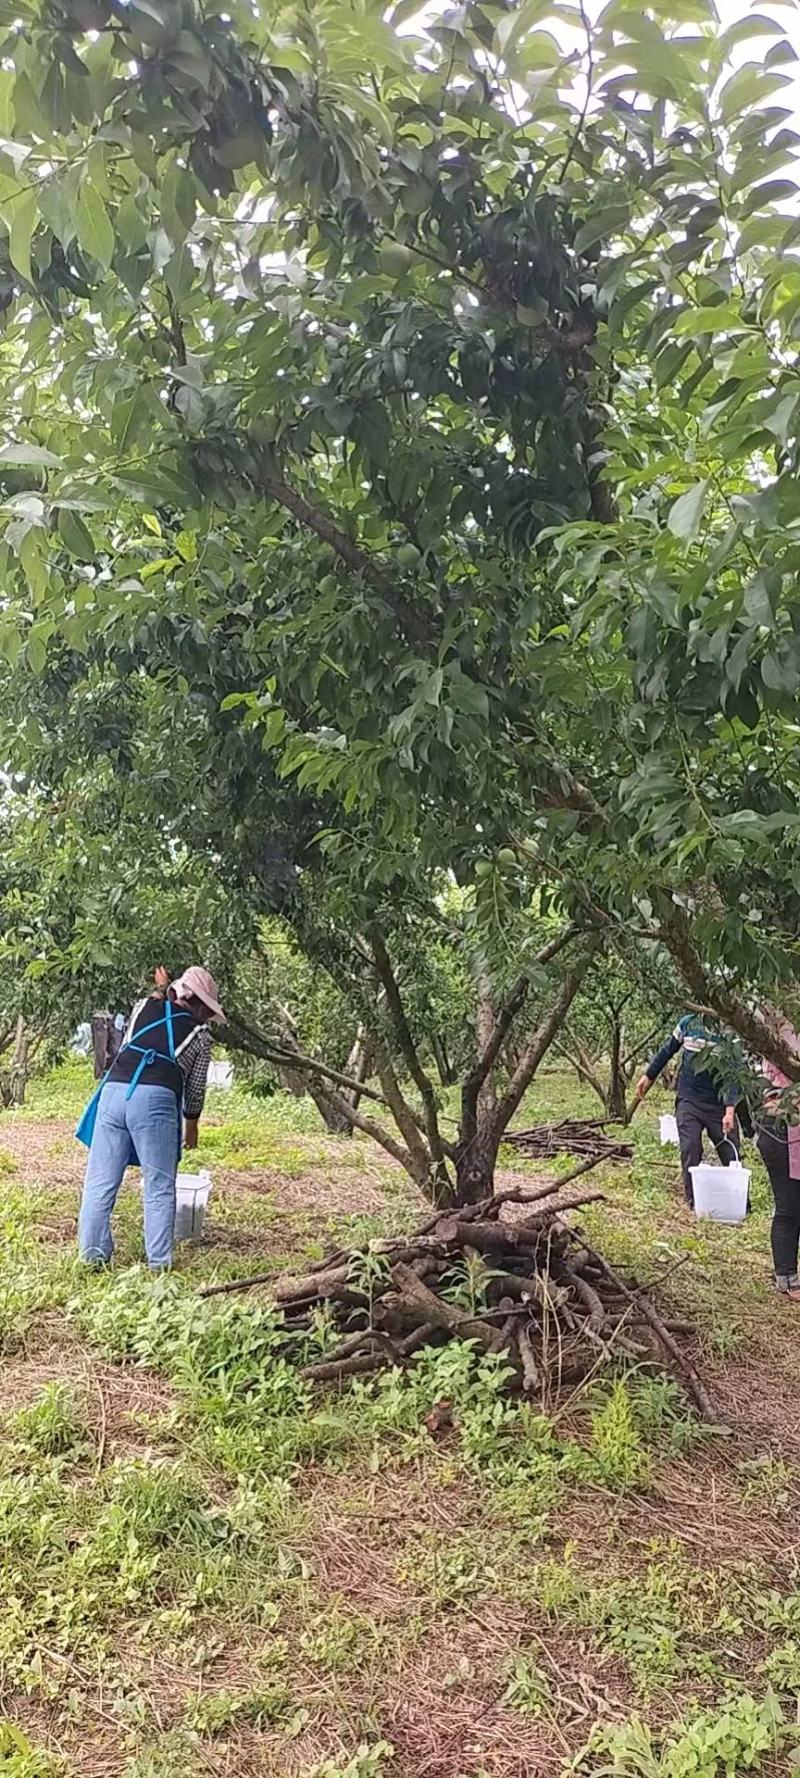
column 162, row 1072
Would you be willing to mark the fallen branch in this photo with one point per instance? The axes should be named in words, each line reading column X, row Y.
column 528, row 1287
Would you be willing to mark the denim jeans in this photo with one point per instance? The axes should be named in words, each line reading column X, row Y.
column 149, row 1123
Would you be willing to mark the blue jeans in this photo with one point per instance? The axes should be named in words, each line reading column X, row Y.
column 149, row 1122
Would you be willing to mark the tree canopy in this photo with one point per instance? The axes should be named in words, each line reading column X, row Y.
column 399, row 478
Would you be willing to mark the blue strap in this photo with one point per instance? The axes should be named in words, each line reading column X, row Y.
column 149, row 1056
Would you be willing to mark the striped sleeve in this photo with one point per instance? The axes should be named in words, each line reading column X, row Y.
column 193, row 1062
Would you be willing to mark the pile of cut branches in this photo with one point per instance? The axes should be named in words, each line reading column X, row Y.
column 536, row 1292
column 583, row 1136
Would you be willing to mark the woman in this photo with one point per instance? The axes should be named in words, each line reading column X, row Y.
column 160, row 1071
column 779, row 1147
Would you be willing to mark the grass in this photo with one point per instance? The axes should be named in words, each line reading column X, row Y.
column 206, row 1567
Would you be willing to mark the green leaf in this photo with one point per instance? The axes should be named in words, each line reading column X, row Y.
column 602, row 226
column 716, row 318
column 756, row 25
column 757, row 602
column 131, row 225
column 529, row 317
column 75, row 535
column 93, row 225
column 29, row 456
column 36, row 652
column 56, row 197
column 127, row 419
column 686, row 513
column 780, row 422
column 748, row 86
column 27, row 110
column 773, row 191
column 516, row 22
column 22, row 214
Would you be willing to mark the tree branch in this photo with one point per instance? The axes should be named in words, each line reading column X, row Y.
column 254, row 1042
column 582, row 1063
column 578, row 132
column 408, row 1048
column 413, row 622
column 541, row 1040
column 760, row 1033
column 370, row 1128
column 488, row 1056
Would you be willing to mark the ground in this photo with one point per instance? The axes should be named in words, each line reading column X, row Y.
column 208, row 1569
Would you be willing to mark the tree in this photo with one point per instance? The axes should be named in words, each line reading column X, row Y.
column 625, row 1005
column 407, row 419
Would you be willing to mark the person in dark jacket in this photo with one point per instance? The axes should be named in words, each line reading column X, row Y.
column 702, row 1105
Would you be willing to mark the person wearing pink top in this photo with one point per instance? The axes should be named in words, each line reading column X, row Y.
column 779, row 1147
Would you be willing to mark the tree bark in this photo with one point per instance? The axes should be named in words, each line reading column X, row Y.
column 19, row 1063
column 617, row 1095
column 442, row 1060
column 477, row 1150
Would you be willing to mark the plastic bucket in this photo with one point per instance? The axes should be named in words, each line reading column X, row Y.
column 191, row 1201
column 220, row 1074
column 668, row 1129
column 721, row 1193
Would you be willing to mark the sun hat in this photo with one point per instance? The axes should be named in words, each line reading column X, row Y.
column 198, row 982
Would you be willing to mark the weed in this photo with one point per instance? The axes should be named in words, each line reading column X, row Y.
column 366, row 1762
column 18, row 1759
column 215, row 1712
column 714, row 1744
column 528, row 1689
column 467, row 1282
column 661, row 1413
column 450, row 1570
column 175, row 1755
column 666, row 1620
column 622, row 1459
column 782, row 1666
column 367, row 1271
column 767, row 1484
column 337, row 1642
column 29, row 1279
column 53, row 1426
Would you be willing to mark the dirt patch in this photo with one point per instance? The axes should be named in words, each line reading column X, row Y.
column 334, row 1192
column 120, row 1403
column 46, row 1154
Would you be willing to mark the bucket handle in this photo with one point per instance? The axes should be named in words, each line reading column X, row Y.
column 731, row 1144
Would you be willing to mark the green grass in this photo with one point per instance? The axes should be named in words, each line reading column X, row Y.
column 236, row 1568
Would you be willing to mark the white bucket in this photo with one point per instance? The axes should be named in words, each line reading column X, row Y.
column 220, row 1074
column 668, row 1129
column 721, row 1193
column 191, row 1200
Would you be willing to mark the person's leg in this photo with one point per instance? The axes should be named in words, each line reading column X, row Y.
column 152, row 1115
column 774, row 1151
column 690, row 1137
column 105, row 1168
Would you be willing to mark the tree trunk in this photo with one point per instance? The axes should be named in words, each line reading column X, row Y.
column 475, row 1165
column 476, row 1154
column 443, row 1064
column 616, row 1097
column 19, row 1063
